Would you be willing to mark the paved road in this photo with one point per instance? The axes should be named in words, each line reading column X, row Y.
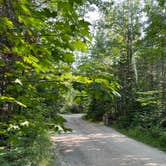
column 95, row 145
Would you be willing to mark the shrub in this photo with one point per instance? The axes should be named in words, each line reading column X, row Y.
column 163, row 139
column 27, row 146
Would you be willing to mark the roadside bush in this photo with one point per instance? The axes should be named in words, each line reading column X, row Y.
column 124, row 122
column 27, row 155
column 163, row 140
column 96, row 110
column 28, row 144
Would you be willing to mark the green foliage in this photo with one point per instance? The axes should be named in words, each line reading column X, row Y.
column 97, row 108
column 98, row 84
column 154, row 138
column 130, row 51
column 37, row 41
column 27, row 153
column 150, row 99
column 5, row 99
column 123, row 73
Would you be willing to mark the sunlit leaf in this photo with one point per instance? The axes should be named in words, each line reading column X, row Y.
column 18, row 81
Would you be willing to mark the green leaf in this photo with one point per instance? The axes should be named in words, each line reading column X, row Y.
column 26, row 10
column 68, row 57
column 11, row 99
column 5, row 23
column 2, row 63
column 80, row 46
column 46, row 12
column 31, row 59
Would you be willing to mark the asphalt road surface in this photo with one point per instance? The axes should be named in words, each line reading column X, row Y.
column 96, row 145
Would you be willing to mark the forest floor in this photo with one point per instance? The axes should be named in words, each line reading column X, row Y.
column 95, row 145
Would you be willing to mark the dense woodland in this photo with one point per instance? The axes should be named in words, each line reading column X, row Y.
column 130, row 50
column 52, row 60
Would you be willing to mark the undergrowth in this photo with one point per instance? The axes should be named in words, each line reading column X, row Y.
column 37, row 153
column 153, row 137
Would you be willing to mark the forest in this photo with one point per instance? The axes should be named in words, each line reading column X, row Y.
column 55, row 60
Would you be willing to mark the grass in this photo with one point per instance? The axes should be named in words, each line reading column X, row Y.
column 145, row 137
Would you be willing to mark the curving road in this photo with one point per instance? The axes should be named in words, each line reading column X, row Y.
column 95, row 145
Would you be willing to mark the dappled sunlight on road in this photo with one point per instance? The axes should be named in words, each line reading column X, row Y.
column 94, row 145
column 69, row 139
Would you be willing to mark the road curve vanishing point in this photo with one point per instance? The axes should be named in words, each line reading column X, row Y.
column 95, row 145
